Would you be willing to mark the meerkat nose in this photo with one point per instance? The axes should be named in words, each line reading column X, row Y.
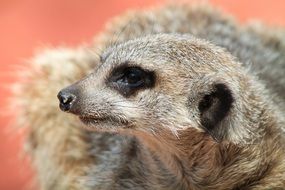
column 66, row 100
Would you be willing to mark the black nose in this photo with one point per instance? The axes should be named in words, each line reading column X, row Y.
column 66, row 100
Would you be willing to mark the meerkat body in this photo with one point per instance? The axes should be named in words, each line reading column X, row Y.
column 195, row 118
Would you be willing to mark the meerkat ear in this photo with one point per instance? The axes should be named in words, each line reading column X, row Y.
column 214, row 108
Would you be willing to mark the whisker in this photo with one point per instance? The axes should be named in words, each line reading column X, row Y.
column 128, row 106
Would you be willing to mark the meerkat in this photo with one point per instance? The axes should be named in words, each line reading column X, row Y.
column 177, row 97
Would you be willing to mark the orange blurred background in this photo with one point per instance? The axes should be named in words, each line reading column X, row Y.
column 26, row 25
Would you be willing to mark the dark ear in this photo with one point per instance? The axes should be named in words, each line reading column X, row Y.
column 214, row 108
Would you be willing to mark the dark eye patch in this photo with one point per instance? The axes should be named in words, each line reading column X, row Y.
column 129, row 79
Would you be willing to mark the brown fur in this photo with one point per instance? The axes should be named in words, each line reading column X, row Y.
column 162, row 152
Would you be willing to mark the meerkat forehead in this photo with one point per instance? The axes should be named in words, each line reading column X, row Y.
column 164, row 52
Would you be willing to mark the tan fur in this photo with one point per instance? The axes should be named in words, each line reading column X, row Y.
column 165, row 146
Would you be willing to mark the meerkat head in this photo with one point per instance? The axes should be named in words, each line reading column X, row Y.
column 165, row 82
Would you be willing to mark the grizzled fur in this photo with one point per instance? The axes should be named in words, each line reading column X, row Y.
column 162, row 137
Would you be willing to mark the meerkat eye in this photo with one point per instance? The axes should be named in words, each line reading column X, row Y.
column 128, row 80
column 134, row 77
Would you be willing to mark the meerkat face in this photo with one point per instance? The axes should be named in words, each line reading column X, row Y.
column 157, row 82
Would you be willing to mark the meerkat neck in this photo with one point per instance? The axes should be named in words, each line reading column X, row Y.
column 194, row 169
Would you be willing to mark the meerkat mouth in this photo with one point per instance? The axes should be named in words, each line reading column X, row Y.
column 93, row 121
